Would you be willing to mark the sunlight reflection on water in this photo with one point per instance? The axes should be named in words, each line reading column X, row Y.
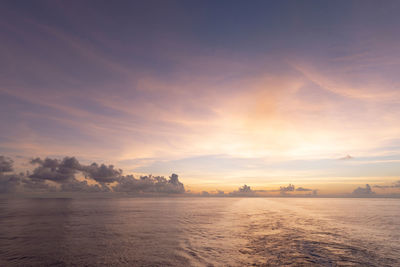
column 200, row 232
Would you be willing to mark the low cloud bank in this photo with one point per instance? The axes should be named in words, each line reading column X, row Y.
column 302, row 189
column 394, row 185
column 285, row 189
column 155, row 184
column 54, row 175
column 244, row 190
column 247, row 191
column 69, row 175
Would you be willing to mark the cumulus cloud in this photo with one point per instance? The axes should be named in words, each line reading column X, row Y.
column 244, row 190
column 102, row 173
column 363, row 190
column 149, row 184
column 69, row 175
column 55, row 170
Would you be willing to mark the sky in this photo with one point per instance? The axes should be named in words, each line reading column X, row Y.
column 223, row 93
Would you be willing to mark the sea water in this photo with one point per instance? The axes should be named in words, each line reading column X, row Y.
column 199, row 232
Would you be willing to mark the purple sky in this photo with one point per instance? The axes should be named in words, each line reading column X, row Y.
column 221, row 92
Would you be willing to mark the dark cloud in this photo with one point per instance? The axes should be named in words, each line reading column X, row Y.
column 83, row 186
column 8, row 182
column 65, row 170
column 363, row 190
column 12, row 183
column 36, row 185
column 102, row 173
column 55, row 170
column 6, row 164
column 52, row 175
column 394, row 185
column 153, row 184
column 245, row 189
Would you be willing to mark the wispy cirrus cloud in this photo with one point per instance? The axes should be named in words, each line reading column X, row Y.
column 158, row 94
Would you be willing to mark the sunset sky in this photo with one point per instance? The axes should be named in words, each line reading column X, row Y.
column 223, row 93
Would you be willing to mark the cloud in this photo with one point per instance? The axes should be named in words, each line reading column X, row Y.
column 347, row 157
column 363, row 190
column 302, row 189
column 291, row 188
column 34, row 185
column 55, row 170
column 394, row 185
column 244, row 190
column 285, row 189
column 6, row 164
column 9, row 183
column 102, row 173
column 205, row 194
column 220, row 193
column 83, row 186
column 216, row 103
column 150, row 184
column 214, row 193
column 55, row 175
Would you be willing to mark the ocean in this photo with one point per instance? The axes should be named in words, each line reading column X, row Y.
column 199, row 232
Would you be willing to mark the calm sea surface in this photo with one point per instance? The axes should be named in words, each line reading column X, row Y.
column 199, row 232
